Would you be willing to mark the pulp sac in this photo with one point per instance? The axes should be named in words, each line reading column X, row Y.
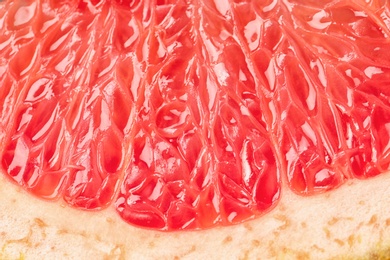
column 192, row 114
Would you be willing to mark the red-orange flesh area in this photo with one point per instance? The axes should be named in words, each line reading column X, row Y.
column 191, row 114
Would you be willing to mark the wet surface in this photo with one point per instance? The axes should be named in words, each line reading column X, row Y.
column 191, row 115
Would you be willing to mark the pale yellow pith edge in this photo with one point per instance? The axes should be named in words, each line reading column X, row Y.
column 351, row 222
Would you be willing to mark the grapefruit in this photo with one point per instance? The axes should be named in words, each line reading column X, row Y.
column 192, row 114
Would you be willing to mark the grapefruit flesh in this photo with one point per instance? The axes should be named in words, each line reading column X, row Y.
column 188, row 115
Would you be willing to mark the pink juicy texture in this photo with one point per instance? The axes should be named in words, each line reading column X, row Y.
column 192, row 114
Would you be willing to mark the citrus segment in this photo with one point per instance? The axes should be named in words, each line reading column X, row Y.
column 187, row 115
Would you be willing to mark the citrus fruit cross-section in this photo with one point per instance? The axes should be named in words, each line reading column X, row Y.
column 192, row 114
